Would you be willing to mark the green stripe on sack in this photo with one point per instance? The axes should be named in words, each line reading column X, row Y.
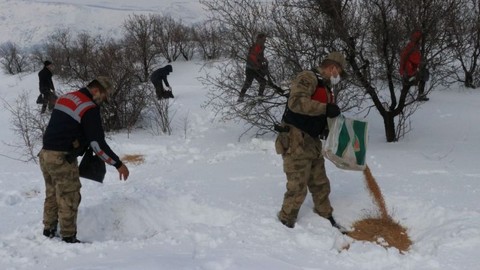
column 343, row 140
column 359, row 142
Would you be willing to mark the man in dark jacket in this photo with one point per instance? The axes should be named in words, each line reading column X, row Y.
column 158, row 77
column 74, row 125
column 47, row 89
column 256, row 67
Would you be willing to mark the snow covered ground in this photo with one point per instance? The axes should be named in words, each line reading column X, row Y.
column 203, row 199
column 32, row 21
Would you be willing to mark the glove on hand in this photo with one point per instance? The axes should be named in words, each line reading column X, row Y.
column 332, row 110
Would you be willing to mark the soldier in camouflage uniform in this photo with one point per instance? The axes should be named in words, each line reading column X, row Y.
column 310, row 102
column 74, row 125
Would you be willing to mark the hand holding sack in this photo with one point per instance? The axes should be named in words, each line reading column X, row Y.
column 332, row 110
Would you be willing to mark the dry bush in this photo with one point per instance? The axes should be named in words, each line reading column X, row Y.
column 29, row 125
column 209, row 38
column 13, row 59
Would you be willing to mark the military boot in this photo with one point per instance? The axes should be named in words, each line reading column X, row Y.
column 71, row 239
column 50, row 233
column 287, row 222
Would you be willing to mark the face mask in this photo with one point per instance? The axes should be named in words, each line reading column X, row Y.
column 334, row 80
column 98, row 98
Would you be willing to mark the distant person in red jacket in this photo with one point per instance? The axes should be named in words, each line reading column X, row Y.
column 257, row 67
column 410, row 60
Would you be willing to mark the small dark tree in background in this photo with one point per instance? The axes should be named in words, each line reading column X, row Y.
column 167, row 32
column 464, row 28
column 209, row 37
column 29, row 125
column 13, row 59
column 139, row 40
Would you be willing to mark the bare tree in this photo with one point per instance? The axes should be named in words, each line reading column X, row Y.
column 72, row 55
column 167, row 33
column 13, row 59
column 464, row 26
column 186, row 41
column 161, row 115
column 241, row 21
column 370, row 34
column 130, row 98
column 296, row 40
column 209, row 38
column 139, row 39
column 29, row 125
column 82, row 58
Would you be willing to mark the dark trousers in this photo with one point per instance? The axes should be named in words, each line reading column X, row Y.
column 49, row 100
column 250, row 75
column 161, row 92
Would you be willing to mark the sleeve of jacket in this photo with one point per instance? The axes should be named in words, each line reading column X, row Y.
column 52, row 87
column 164, row 78
column 92, row 126
column 154, row 76
column 301, row 91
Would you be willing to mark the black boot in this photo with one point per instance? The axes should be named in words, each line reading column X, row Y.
column 50, row 233
column 336, row 225
column 289, row 223
column 71, row 239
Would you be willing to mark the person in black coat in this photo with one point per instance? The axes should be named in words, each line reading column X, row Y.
column 46, row 87
column 158, row 77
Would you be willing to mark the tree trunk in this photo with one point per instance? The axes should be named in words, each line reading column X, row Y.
column 469, row 80
column 389, row 121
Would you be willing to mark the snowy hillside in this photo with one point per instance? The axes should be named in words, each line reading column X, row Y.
column 28, row 22
column 203, row 199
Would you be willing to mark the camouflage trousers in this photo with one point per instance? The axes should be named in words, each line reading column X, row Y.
column 62, row 192
column 305, row 171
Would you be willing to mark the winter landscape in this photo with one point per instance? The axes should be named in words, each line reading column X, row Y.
column 206, row 198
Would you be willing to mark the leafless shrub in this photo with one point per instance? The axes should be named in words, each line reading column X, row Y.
column 13, row 59
column 81, row 58
column 161, row 117
column 139, row 39
column 169, row 35
column 209, row 38
column 464, row 29
column 29, row 125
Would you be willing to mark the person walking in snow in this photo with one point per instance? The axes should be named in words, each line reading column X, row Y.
column 310, row 102
column 158, row 77
column 46, row 87
column 256, row 67
column 410, row 64
column 75, row 125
